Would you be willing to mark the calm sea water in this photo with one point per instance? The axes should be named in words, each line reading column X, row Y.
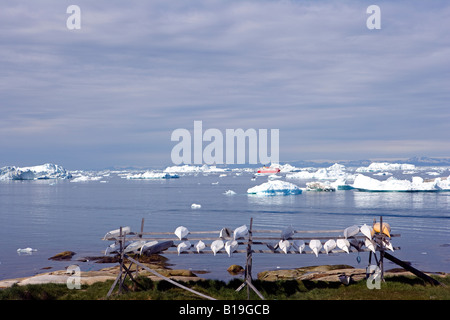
column 54, row 216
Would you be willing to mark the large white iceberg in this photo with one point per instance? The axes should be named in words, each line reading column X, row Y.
column 336, row 171
column 284, row 167
column 153, row 175
column 194, row 169
column 275, row 187
column 45, row 171
column 385, row 166
column 84, row 178
column 365, row 183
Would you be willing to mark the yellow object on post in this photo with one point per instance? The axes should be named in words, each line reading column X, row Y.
column 386, row 228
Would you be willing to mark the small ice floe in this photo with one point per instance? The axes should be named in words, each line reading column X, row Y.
column 26, row 250
column 319, row 186
column 152, row 175
column 196, row 206
column 229, row 192
column 85, row 178
column 383, row 174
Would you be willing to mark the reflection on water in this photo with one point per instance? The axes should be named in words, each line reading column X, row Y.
column 402, row 200
column 271, row 200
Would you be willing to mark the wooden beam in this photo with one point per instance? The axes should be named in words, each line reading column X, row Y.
column 413, row 270
column 168, row 279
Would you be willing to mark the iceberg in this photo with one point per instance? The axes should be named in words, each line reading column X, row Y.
column 319, row 186
column 284, row 167
column 45, row 171
column 194, row 169
column 334, row 172
column 26, row 250
column 275, row 187
column 385, row 166
column 364, row 183
column 152, row 175
column 83, row 178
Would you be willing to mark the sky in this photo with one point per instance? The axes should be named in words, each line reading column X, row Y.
column 110, row 93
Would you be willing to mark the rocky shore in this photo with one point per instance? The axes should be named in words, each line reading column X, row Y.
column 330, row 273
column 333, row 273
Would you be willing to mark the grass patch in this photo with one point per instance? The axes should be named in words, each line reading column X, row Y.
column 394, row 288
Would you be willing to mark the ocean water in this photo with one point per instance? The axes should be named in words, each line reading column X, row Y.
column 57, row 215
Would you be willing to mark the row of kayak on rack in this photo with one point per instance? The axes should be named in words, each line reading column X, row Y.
column 228, row 240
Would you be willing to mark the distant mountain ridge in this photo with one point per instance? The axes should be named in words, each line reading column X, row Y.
column 417, row 161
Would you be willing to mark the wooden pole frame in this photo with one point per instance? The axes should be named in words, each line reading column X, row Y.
column 125, row 271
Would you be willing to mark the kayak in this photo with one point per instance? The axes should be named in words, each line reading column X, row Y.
column 115, row 233
column 343, row 244
column 284, row 245
column 351, row 231
column 200, row 246
column 315, row 246
column 240, row 232
column 183, row 246
column 386, row 228
column 156, row 248
column 299, row 245
column 216, row 246
column 329, row 245
column 231, row 246
column 367, row 231
column 181, row 232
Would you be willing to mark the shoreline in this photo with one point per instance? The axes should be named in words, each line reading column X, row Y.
column 328, row 273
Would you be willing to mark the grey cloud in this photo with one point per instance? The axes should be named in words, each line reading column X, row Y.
column 138, row 70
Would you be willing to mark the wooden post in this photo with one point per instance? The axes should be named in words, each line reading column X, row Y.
column 121, row 249
column 142, row 228
column 382, row 249
column 140, row 236
column 248, row 268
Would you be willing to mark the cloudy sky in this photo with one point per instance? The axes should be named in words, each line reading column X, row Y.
column 112, row 92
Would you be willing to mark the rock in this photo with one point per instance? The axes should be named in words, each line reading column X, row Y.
column 324, row 273
column 234, row 269
column 65, row 255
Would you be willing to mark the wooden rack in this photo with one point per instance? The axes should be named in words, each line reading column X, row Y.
column 256, row 242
